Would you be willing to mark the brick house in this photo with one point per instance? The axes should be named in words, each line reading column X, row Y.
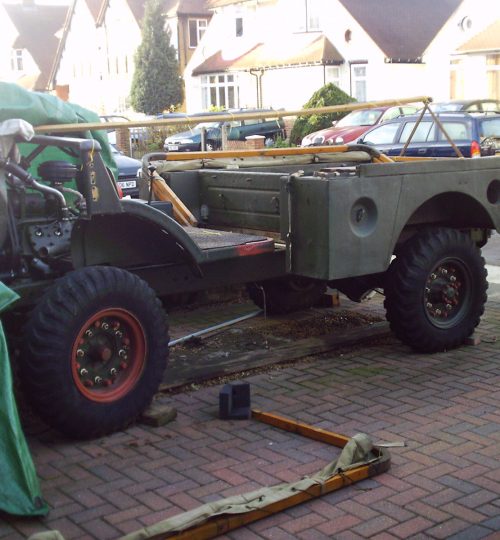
column 276, row 53
column 476, row 65
column 97, row 63
column 25, row 27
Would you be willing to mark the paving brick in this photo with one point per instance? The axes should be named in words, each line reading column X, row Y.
column 472, row 532
column 332, row 528
column 373, row 526
column 301, row 523
column 448, row 528
column 411, row 527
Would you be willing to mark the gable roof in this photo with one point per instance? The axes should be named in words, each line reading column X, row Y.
column 191, row 7
column 403, row 29
column 38, row 24
column 173, row 8
column 95, row 8
column 212, row 4
column 486, row 41
column 299, row 50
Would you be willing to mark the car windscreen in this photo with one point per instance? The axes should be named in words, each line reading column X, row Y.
column 367, row 117
column 207, row 125
column 381, row 135
column 446, row 107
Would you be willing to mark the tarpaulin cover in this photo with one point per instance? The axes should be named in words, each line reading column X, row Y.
column 42, row 109
column 356, row 453
column 19, row 488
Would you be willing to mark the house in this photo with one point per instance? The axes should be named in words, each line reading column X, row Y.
column 276, row 53
column 31, row 36
column 97, row 63
column 476, row 66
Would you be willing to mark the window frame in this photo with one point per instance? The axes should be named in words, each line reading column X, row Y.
column 219, row 93
column 200, row 28
column 17, row 60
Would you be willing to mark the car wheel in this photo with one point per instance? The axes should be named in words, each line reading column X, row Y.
column 94, row 351
column 436, row 290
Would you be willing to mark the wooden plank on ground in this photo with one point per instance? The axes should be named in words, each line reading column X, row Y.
column 184, row 372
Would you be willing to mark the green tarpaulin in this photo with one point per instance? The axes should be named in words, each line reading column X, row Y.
column 42, row 109
column 19, row 489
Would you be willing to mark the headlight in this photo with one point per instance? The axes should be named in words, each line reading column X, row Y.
column 339, row 140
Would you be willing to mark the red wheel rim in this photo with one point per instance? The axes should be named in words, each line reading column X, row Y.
column 108, row 355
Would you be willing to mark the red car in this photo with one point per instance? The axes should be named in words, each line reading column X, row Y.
column 353, row 125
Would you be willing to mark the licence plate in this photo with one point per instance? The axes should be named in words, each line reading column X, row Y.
column 127, row 184
column 172, row 147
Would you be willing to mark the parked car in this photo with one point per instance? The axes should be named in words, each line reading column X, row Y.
column 354, row 124
column 128, row 172
column 190, row 141
column 138, row 135
column 474, row 134
column 467, row 105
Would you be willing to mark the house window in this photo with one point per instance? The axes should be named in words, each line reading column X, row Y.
column 219, row 91
column 332, row 75
column 308, row 13
column 358, row 82
column 197, row 28
column 16, row 60
column 493, row 75
column 239, row 26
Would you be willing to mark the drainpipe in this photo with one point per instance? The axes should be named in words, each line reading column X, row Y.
column 258, row 73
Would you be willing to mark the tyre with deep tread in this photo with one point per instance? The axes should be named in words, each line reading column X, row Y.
column 94, row 352
column 284, row 295
column 436, row 290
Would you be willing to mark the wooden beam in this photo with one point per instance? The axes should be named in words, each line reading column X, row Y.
column 191, row 119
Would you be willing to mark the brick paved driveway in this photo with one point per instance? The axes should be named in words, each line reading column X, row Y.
column 444, row 484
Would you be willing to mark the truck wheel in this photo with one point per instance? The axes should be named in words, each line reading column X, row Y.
column 285, row 295
column 436, row 290
column 94, row 352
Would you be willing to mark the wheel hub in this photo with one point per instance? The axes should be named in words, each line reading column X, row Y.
column 108, row 355
column 444, row 294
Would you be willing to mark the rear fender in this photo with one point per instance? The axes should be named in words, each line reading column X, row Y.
column 140, row 235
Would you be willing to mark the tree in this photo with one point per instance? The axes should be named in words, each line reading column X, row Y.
column 327, row 95
column 156, row 84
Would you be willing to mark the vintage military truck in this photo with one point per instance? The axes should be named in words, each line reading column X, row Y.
column 89, row 267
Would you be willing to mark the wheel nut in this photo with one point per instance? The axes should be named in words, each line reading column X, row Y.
column 429, row 305
column 89, row 333
column 449, row 307
column 97, row 380
column 112, row 371
column 105, row 326
column 83, row 372
column 438, row 312
column 118, row 334
column 453, row 279
column 433, row 276
column 122, row 353
column 80, row 353
column 444, row 271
